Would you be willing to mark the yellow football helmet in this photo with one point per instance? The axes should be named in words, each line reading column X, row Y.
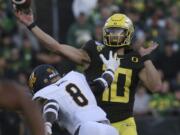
column 118, row 31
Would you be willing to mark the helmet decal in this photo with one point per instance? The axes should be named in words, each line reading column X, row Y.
column 32, row 80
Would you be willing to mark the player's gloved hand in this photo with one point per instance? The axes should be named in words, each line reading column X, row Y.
column 112, row 63
column 48, row 127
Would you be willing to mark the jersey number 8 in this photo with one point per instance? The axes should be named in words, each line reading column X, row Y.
column 76, row 94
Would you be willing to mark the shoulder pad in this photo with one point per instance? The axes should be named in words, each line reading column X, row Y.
column 99, row 46
column 99, row 43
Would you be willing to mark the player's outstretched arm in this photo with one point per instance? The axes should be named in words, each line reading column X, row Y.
column 107, row 77
column 13, row 97
column 78, row 56
column 149, row 74
column 50, row 114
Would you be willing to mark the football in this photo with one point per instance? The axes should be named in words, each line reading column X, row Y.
column 21, row 4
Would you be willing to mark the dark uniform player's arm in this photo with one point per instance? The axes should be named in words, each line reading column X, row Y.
column 100, row 84
column 103, row 82
column 78, row 56
column 13, row 97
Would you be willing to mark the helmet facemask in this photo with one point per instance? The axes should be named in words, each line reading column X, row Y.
column 115, row 36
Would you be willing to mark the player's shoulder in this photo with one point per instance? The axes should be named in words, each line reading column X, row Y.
column 93, row 45
column 133, row 59
column 74, row 76
column 45, row 92
column 134, row 55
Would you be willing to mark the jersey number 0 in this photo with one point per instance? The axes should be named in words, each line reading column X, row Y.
column 118, row 86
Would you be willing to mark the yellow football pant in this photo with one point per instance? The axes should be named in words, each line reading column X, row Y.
column 126, row 127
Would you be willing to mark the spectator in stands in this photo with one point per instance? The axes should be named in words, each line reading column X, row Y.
column 2, row 67
column 14, row 63
column 162, row 103
column 168, row 61
column 98, row 31
column 80, row 31
column 142, row 99
column 176, row 82
column 28, row 55
column 176, row 105
column 85, row 6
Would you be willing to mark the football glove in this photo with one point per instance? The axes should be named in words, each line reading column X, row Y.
column 112, row 63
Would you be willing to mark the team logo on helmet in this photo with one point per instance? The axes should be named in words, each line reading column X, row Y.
column 99, row 46
column 32, row 80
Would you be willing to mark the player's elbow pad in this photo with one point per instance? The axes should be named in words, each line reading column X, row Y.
column 103, row 82
column 50, row 111
column 98, row 86
column 108, row 76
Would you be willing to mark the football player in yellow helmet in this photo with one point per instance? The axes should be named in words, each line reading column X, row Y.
column 118, row 31
column 118, row 100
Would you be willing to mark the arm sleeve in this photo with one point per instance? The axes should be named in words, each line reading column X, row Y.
column 89, row 47
column 100, row 84
column 50, row 111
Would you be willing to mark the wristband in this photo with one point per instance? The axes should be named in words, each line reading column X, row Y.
column 110, row 70
column 102, row 82
column 31, row 26
column 108, row 73
column 145, row 57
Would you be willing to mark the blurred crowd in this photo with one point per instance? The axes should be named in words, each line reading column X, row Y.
column 157, row 20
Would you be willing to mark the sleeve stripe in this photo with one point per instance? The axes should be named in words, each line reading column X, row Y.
column 103, row 81
column 50, row 110
column 52, row 105
column 110, row 70
column 109, row 73
column 52, row 100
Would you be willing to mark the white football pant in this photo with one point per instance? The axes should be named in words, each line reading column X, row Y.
column 95, row 128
